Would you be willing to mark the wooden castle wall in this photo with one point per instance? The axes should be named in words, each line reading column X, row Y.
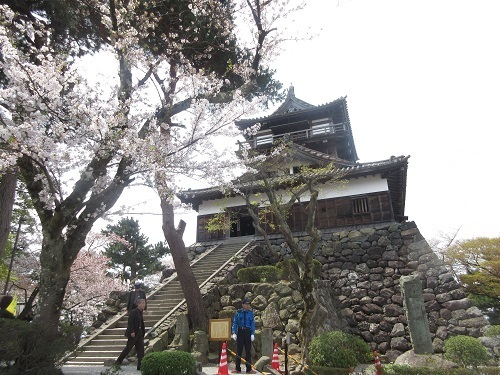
column 331, row 213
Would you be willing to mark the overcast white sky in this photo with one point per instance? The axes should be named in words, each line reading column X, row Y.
column 422, row 78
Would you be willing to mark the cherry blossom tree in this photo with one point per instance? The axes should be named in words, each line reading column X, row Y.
column 8, row 183
column 77, row 146
column 88, row 287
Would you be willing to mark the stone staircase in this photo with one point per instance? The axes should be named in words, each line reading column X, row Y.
column 107, row 343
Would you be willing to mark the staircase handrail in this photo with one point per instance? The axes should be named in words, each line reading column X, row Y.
column 113, row 321
column 174, row 309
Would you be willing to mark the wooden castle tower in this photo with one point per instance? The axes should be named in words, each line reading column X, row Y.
column 318, row 135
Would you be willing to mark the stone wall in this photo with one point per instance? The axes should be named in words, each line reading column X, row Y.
column 114, row 304
column 360, row 290
column 361, row 268
column 364, row 266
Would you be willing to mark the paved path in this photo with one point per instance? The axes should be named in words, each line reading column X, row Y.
column 126, row 370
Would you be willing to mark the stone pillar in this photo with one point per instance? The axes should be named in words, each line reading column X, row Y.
column 413, row 302
column 200, row 347
column 181, row 338
column 266, row 337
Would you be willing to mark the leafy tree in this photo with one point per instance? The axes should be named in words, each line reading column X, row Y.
column 77, row 146
column 130, row 252
column 477, row 264
column 270, row 193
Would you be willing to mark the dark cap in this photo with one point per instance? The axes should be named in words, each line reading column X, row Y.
column 138, row 285
column 245, row 300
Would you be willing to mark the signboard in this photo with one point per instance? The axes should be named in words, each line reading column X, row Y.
column 219, row 329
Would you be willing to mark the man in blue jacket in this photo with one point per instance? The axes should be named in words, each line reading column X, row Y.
column 244, row 333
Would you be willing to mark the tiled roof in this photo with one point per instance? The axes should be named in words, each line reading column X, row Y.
column 349, row 171
column 321, row 156
column 291, row 104
column 297, row 105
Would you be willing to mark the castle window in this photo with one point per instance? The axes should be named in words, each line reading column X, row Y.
column 264, row 137
column 322, row 126
column 360, row 205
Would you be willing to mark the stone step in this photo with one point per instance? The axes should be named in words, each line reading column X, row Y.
column 164, row 302
column 110, row 342
column 166, row 292
column 105, row 348
column 106, row 343
column 165, row 296
column 93, row 360
column 108, row 337
column 161, row 309
column 202, row 276
column 109, row 353
column 210, row 264
column 75, row 363
column 161, row 306
column 147, row 322
column 114, row 331
column 152, row 315
column 206, row 271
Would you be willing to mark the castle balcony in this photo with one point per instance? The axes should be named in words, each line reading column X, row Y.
column 316, row 131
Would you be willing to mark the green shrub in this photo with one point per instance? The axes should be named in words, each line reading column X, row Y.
column 338, row 349
column 27, row 352
column 408, row 370
column 320, row 370
column 168, row 363
column 466, row 351
column 259, row 274
column 284, row 268
column 494, row 332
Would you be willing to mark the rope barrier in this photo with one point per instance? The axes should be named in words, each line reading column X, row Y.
column 297, row 362
column 281, row 350
column 245, row 362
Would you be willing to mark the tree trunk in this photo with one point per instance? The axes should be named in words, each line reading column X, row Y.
column 8, row 184
column 54, row 277
column 196, row 308
column 306, row 286
column 304, row 258
column 27, row 313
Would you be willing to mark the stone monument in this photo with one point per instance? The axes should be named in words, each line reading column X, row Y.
column 413, row 303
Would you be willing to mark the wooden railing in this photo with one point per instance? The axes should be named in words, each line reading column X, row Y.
column 316, row 131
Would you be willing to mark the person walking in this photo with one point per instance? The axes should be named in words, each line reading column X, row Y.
column 134, row 296
column 135, row 333
column 244, row 333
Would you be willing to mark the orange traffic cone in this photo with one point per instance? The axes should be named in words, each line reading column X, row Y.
column 223, row 369
column 378, row 365
column 275, row 364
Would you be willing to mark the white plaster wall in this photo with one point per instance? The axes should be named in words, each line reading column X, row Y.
column 357, row 186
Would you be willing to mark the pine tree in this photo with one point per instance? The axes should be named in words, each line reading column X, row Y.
column 130, row 253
